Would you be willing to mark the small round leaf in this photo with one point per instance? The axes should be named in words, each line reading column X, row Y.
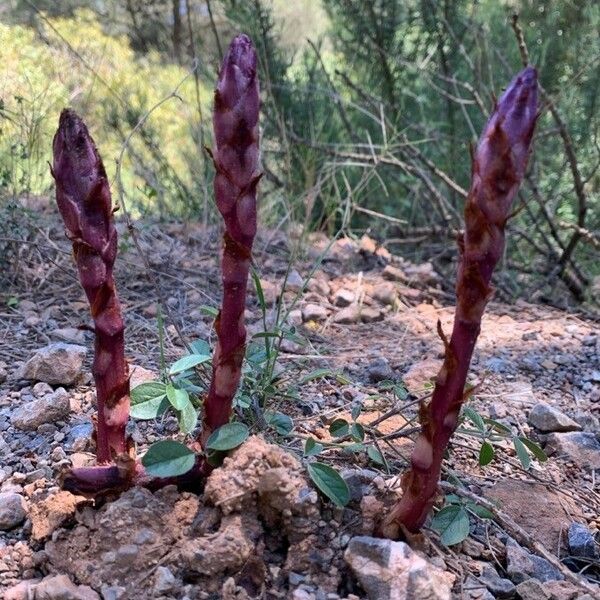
column 168, row 459
column 228, row 436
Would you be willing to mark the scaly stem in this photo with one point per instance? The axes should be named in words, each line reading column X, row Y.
column 498, row 167
column 236, row 156
column 83, row 198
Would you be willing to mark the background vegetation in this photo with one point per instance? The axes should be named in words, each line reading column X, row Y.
column 368, row 112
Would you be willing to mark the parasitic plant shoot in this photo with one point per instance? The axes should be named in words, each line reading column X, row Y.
column 498, row 168
column 236, row 160
column 84, row 201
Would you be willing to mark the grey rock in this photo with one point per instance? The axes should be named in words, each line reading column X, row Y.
column 343, row 297
column 12, row 510
column 580, row 447
column 379, row 370
column 359, row 481
column 348, row 315
column 41, row 389
column 581, row 541
column 546, row 418
column 60, row 587
column 314, row 312
column 385, row 293
column 164, row 580
column 475, row 590
column 532, row 589
column 294, row 281
column 392, row 570
column 113, row 592
column 392, row 273
column 69, row 334
column 522, row 565
column 370, row 315
column 50, row 408
column 499, row 586
column 56, row 364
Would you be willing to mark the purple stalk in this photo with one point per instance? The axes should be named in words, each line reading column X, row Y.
column 83, row 198
column 497, row 171
column 236, row 158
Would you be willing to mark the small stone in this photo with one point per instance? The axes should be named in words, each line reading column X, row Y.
column 532, row 589
column 388, row 569
column 385, row 293
column 500, row 587
column 379, row 370
column 522, row 565
column 139, row 375
column 474, row 590
column 581, row 542
column 564, row 590
column 41, row 389
column 314, row 312
column 51, row 408
column 12, row 510
column 546, row 418
column 60, row 587
column 370, row 315
column 393, row 274
column 343, row 297
column 548, row 364
column 164, row 580
column 69, row 334
column 294, row 281
column 348, row 315
column 56, row 364
column 580, row 447
column 423, row 273
column 420, row 373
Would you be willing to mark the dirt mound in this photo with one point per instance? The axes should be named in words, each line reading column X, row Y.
column 256, row 522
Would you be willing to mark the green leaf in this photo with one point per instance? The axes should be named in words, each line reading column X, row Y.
column 475, row 418
column 200, row 347
column 357, row 432
column 168, row 459
column 188, row 362
column 500, row 427
column 259, row 291
column 486, row 454
column 280, row 422
column 522, row 453
column 356, row 411
column 330, row 482
column 146, row 400
column 349, row 448
column 187, row 418
column 316, row 374
column 312, row 448
column 339, row 428
column 534, row 449
column 211, row 311
column 376, row 456
column 256, row 353
column 480, row 511
column 452, row 523
column 177, row 397
column 228, row 436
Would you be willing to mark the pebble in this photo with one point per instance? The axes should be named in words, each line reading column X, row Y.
column 56, row 364
column 392, row 273
column 580, row 447
column 343, row 297
column 385, row 293
column 348, row 315
column 522, row 565
column 581, row 542
column 379, row 370
column 60, row 587
column 164, row 580
column 12, row 510
column 51, row 408
column 500, row 587
column 314, row 312
column 370, row 315
column 532, row 589
column 546, row 418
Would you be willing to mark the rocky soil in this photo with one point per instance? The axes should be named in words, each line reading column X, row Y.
column 365, row 336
